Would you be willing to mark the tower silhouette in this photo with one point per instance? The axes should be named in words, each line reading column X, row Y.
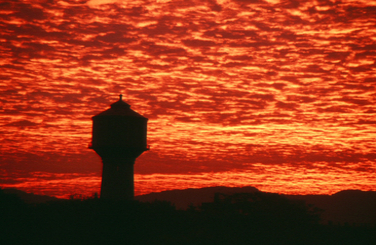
column 119, row 137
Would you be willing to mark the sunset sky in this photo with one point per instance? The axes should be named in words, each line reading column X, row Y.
column 276, row 94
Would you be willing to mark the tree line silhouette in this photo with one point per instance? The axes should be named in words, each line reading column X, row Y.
column 242, row 218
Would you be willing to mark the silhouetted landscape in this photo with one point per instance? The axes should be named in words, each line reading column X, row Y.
column 216, row 215
column 350, row 206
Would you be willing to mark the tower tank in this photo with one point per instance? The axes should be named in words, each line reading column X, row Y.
column 119, row 136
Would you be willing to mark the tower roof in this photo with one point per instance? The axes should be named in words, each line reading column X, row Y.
column 120, row 108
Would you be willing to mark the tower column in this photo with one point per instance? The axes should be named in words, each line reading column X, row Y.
column 117, row 178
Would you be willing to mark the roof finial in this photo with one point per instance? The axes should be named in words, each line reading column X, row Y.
column 121, row 97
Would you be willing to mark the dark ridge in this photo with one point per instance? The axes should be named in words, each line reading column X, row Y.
column 182, row 199
column 348, row 206
column 238, row 217
column 344, row 207
column 29, row 197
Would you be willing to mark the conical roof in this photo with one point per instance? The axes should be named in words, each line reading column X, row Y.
column 120, row 108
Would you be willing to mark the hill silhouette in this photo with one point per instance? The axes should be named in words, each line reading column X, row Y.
column 182, row 199
column 349, row 206
column 29, row 197
column 345, row 207
column 234, row 218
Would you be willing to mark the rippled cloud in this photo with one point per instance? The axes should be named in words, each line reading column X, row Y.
column 226, row 84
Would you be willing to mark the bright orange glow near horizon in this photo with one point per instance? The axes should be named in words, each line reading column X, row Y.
column 279, row 95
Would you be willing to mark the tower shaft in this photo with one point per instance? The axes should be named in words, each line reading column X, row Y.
column 117, row 178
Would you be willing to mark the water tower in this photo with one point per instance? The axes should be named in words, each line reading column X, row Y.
column 119, row 137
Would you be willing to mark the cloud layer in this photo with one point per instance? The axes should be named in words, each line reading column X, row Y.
column 226, row 85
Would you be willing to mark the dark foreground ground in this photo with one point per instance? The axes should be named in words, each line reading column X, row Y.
column 241, row 218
